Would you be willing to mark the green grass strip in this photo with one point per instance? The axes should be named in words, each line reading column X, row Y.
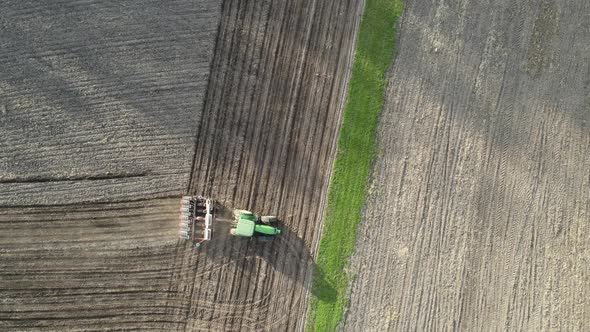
column 354, row 159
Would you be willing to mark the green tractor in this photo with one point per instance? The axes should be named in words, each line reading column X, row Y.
column 198, row 217
column 247, row 224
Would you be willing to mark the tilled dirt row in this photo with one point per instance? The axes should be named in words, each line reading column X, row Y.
column 95, row 266
column 479, row 207
column 266, row 143
column 99, row 103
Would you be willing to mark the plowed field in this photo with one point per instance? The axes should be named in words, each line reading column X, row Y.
column 267, row 143
column 109, row 112
column 478, row 212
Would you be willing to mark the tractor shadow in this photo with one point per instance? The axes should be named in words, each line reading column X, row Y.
column 289, row 254
column 286, row 255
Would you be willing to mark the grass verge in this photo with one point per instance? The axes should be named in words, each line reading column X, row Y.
column 354, row 159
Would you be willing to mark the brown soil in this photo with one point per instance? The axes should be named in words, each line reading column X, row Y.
column 478, row 214
column 266, row 143
column 102, row 108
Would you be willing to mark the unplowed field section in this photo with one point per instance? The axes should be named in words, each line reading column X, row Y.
column 266, row 142
column 478, row 216
column 102, row 108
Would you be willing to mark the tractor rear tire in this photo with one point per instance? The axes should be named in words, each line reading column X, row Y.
column 269, row 220
column 237, row 213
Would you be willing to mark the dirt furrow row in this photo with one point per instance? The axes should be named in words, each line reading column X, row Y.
column 266, row 143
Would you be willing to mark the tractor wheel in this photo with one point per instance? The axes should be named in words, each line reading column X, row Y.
column 237, row 213
column 269, row 220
